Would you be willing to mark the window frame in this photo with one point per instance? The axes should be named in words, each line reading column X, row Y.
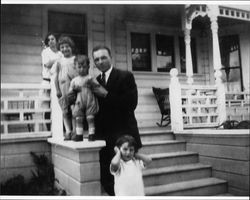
column 153, row 30
column 82, row 36
column 70, row 9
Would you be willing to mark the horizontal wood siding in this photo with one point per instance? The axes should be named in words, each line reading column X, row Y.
column 227, row 151
column 120, row 43
column 98, row 26
column 21, row 35
column 16, row 159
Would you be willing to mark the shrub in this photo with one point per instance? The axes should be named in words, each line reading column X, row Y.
column 41, row 182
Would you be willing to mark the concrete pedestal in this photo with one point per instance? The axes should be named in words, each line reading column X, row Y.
column 77, row 166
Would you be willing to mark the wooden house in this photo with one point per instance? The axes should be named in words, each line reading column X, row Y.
column 200, row 52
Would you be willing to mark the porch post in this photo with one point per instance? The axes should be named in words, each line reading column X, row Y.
column 189, row 64
column 213, row 13
column 56, row 114
column 175, row 101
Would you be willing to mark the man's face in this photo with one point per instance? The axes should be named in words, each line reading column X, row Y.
column 102, row 59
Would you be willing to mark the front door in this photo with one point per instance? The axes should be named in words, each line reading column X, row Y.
column 231, row 63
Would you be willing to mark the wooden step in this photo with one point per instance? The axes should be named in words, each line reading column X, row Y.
column 153, row 147
column 167, row 175
column 173, row 158
column 149, row 122
column 156, row 134
column 199, row 187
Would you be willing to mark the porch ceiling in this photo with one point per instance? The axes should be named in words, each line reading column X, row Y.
column 159, row 14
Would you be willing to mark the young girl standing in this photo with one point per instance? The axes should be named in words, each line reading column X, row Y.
column 65, row 72
column 126, row 166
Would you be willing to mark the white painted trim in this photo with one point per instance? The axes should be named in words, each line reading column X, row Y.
column 24, row 137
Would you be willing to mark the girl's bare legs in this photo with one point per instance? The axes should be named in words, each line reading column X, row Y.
column 91, row 123
column 68, row 127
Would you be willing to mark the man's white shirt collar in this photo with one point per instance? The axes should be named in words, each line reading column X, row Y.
column 107, row 74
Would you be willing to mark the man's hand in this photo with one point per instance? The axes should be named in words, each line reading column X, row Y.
column 77, row 88
column 99, row 91
column 58, row 94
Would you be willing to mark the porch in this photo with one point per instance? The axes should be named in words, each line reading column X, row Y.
column 197, row 101
column 198, row 155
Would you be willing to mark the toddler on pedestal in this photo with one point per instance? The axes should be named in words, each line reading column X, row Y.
column 86, row 104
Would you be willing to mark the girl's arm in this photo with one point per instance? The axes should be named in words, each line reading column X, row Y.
column 145, row 158
column 46, row 60
column 58, row 91
column 115, row 162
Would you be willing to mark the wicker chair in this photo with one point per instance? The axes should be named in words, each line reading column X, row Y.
column 162, row 98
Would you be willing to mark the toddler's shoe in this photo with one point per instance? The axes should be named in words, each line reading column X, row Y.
column 77, row 138
column 91, row 137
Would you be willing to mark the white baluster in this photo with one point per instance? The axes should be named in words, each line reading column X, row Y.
column 56, row 115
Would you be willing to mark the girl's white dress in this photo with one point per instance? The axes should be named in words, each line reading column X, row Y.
column 47, row 56
column 128, row 178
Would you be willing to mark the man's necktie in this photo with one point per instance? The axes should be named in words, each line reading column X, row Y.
column 103, row 79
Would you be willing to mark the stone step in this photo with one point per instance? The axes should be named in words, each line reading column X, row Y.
column 163, row 146
column 173, row 158
column 167, row 175
column 147, row 122
column 199, row 187
column 156, row 134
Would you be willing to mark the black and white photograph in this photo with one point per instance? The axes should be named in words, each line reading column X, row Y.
column 125, row 99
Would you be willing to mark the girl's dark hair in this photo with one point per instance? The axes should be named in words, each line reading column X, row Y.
column 46, row 40
column 127, row 138
column 80, row 58
column 66, row 40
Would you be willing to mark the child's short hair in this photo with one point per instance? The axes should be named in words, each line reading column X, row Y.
column 127, row 138
column 81, row 58
column 66, row 40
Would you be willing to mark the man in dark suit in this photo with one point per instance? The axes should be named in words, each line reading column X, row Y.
column 117, row 99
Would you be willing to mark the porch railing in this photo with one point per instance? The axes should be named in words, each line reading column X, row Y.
column 238, row 106
column 195, row 106
column 199, row 106
column 23, row 110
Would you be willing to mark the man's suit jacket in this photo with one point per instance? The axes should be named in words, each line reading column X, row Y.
column 116, row 111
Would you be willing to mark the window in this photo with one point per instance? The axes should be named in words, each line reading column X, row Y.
column 182, row 48
column 164, row 53
column 73, row 25
column 140, row 52
column 231, row 64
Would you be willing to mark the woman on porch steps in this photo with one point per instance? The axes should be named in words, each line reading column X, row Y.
column 50, row 55
column 65, row 72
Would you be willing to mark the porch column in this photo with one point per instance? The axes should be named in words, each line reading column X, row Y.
column 189, row 64
column 213, row 13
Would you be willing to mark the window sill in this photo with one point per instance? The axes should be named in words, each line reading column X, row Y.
column 163, row 74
